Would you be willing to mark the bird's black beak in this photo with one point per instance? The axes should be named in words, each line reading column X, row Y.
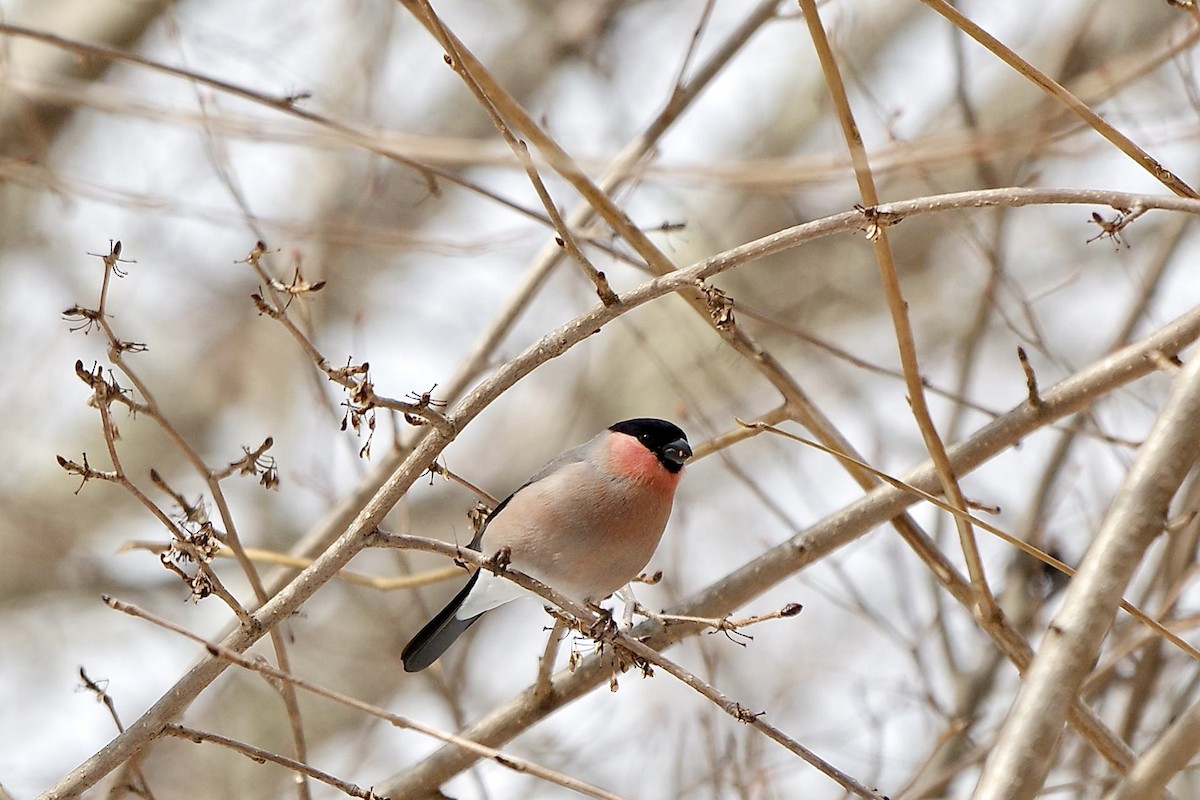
column 676, row 454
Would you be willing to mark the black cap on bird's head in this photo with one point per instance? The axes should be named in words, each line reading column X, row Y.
column 665, row 439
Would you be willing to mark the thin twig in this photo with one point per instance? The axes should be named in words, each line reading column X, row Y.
column 104, row 697
column 1030, row 377
column 260, row 755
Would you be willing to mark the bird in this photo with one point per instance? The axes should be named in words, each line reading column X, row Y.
column 585, row 524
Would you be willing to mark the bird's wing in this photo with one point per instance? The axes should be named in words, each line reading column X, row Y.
column 572, row 456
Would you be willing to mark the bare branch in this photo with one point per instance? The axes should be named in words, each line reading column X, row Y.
column 262, row 756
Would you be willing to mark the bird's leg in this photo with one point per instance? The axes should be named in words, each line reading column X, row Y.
column 604, row 627
column 500, row 560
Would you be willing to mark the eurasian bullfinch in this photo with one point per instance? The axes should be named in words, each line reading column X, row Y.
column 585, row 524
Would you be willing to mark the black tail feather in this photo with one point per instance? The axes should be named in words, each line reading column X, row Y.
column 439, row 633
